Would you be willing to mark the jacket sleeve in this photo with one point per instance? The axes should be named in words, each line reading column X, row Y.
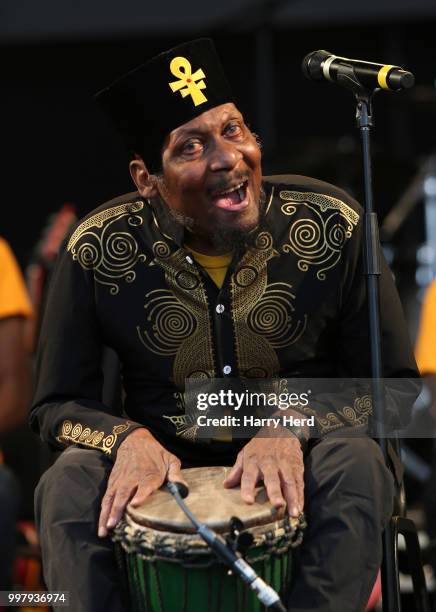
column 345, row 402
column 351, row 405
column 67, row 407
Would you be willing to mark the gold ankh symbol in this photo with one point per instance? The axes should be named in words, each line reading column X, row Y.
column 181, row 67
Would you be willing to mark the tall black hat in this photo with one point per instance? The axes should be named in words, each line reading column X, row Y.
column 162, row 94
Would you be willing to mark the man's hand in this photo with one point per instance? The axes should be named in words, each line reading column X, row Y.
column 142, row 466
column 278, row 461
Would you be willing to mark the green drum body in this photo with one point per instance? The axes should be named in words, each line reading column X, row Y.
column 169, row 568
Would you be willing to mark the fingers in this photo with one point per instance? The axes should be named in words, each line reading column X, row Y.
column 117, row 497
column 299, row 479
column 290, row 493
column 234, row 476
column 144, row 491
column 271, row 480
column 283, row 480
column 106, row 506
column 249, row 478
column 174, row 473
column 292, row 485
column 119, row 504
column 138, row 471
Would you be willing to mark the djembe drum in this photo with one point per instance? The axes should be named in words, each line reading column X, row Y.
column 169, row 567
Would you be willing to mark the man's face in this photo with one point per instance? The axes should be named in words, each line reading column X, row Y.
column 211, row 173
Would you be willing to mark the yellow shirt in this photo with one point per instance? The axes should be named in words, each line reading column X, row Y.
column 426, row 343
column 13, row 294
column 215, row 265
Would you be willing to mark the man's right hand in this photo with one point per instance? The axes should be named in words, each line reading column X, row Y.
column 142, row 466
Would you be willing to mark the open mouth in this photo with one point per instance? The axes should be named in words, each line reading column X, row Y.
column 233, row 199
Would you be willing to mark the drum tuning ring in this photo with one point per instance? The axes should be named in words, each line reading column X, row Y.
column 238, row 539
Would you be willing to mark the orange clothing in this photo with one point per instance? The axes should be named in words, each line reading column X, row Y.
column 14, row 299
column 426, row 343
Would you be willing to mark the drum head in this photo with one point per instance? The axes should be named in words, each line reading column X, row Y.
column 209, row 501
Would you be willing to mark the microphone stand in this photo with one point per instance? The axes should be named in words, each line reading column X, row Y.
column 371, row 249
column 372, row 271
column 371, row 256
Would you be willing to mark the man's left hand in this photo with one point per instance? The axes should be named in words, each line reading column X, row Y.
column 278, row 461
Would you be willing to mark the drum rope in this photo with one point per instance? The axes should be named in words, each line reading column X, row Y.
column 220, row 588
column 144, row 579
column 185, row 590
column 159, row 587
column 264, row 558
column 209, row 590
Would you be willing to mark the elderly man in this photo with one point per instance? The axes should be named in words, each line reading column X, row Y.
column 207, row 271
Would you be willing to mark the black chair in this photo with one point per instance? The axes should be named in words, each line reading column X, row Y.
column 399, row 524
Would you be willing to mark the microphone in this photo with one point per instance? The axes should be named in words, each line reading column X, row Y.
column 320, row 65
column 266, row 594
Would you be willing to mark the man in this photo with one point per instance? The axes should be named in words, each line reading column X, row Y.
column 209, row 271
column 15, row 383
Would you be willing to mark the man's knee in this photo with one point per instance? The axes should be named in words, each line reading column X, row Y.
column 361, row 457
column 70, row 487
column 354, row 467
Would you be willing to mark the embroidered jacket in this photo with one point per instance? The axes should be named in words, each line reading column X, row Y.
column 293, row 304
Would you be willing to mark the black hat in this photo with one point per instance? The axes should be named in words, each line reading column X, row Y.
column 164, row 93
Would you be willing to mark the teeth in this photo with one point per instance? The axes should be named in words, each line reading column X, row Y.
column 241, row 193
column 239, row 187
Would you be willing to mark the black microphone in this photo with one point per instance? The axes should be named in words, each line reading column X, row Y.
column 320, row 65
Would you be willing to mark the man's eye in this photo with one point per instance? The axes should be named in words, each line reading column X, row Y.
column 233, row 129
column 191, row 147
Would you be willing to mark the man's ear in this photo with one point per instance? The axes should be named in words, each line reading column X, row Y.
column 145, row 182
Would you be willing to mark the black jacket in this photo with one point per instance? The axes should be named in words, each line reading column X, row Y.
column 294, row 306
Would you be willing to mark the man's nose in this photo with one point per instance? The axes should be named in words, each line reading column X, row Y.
column 224, row 156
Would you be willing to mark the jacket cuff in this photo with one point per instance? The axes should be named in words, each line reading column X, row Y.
column 108, row 442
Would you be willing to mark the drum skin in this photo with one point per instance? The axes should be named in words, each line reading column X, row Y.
column 169, row 568
column 210, row 503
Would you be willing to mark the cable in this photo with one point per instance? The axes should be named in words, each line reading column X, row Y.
column 266, row 594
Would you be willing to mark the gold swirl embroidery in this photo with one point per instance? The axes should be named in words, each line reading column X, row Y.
column 359, row 413
column 170, row 323
column 109, row 254
column 325, row 422
column 177, row 320
column 96, row 439
column 85, row 434
column 318, row 241
column 161, row 249
column 262, row 313
column 328, row 422
column 272, row 317
column 264, row 241
column 186, row 426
